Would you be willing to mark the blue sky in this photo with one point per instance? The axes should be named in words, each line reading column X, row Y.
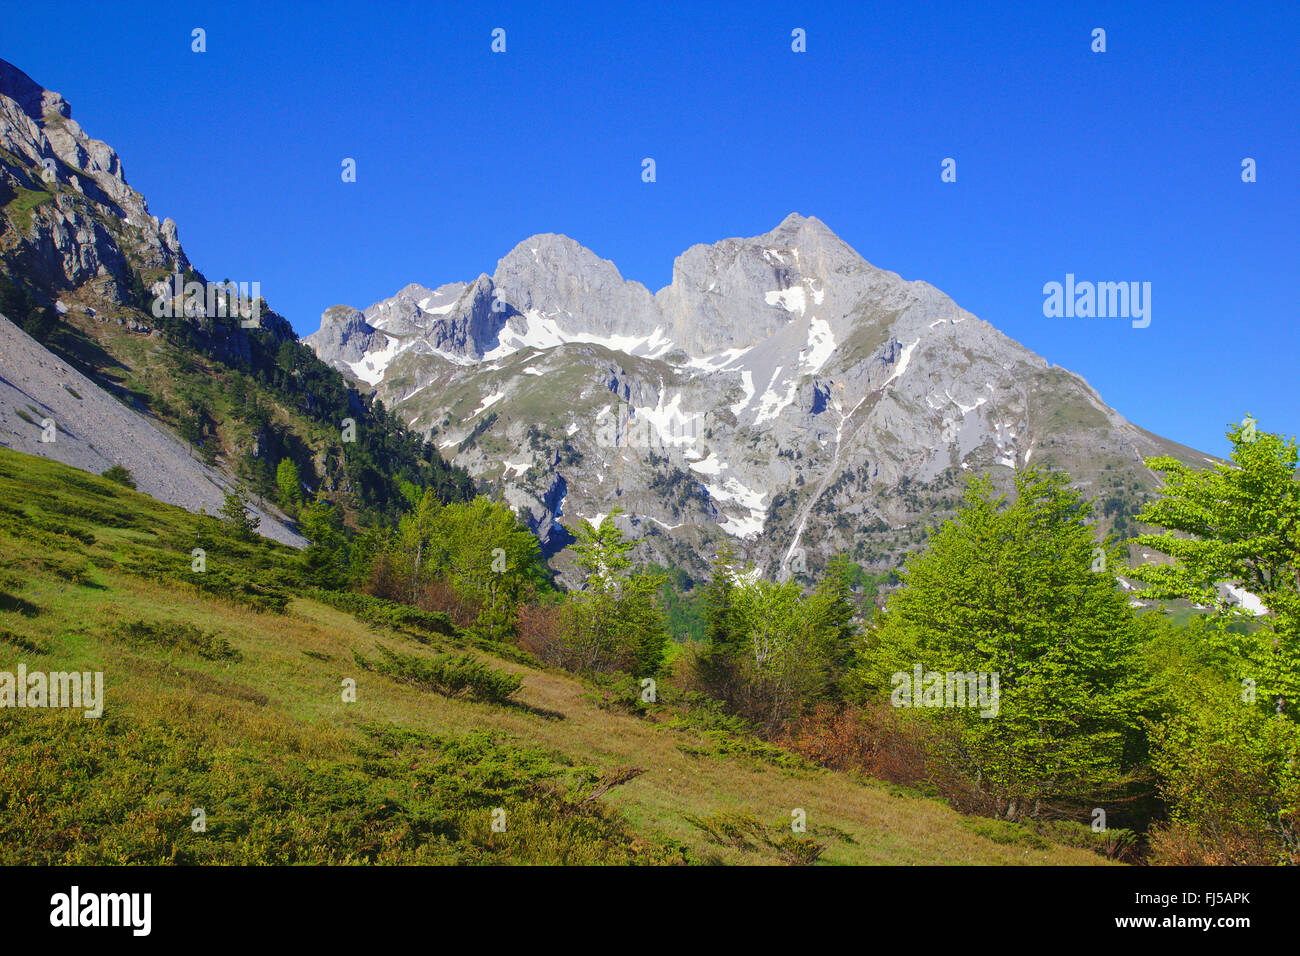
column 1117, row 166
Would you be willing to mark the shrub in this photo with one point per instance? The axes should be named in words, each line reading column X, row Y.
column 119, row 474
column 376, row 610
column 179, row 635
column 875, row 740
column 1229, row 775
column 453, row 675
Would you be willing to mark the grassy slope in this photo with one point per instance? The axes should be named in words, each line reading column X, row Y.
column 257, row 734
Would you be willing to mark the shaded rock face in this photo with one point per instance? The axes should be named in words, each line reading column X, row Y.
column 781, row 392
column 72, row 232
column 64, row 242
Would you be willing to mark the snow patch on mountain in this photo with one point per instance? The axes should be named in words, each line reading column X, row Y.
column 371, row 367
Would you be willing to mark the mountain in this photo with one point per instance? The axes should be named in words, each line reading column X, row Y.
column 781, row 392
column 94, row 431
column 193, row 393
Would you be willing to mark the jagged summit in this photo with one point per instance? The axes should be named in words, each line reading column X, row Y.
column 70, row 247
column 34, row 99
column 781, row 391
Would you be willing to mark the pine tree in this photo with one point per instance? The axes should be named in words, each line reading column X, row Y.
column 239, row 521
column 717, row 664
column 289, row 483
column 719, row 601
column 833, row 615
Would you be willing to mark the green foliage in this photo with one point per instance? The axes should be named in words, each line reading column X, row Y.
column 683, row 604
column 1240, row 524
column 489, row 558
column 179, row 635
column 239, row 521
column 422, row 625
column 119, row 474
column 616, row 622
column 478, row 548
column 288, row 483
column 1229, row 774
column 1019, row 591
column 325, row 562
column 119, row 790
column 1226, row 753
column 227, row 580
column 452, row 675
column 773, row 651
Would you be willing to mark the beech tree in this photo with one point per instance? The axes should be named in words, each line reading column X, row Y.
column 1023, row 591
column 489, row 558
column 615, row 622
column 1239, row 524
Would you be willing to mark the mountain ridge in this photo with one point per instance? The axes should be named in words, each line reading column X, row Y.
column 780, row 390
column 87, row 271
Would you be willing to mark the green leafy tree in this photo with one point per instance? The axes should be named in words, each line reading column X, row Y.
column 1238, row 524
column 490, row 559
column 1230, row 776
column 1022, row 591
column 1226, row 753
column 238, row 520
column 616, row 622
column 776, row 669
column 289, row 484
column 415, row 538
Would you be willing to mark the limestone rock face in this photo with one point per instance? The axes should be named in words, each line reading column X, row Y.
column 781, row 392
column 62, row 241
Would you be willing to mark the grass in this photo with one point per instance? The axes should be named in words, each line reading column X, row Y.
column 219, row 705
column 23, row 206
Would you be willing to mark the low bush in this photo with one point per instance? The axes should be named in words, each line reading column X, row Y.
column 453, row 675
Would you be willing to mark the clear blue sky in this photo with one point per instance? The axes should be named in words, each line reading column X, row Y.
column 1116, row 166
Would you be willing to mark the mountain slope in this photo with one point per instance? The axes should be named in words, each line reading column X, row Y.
column 210, row 703
column 92, row 276
column 781, row 392
column 94, row 431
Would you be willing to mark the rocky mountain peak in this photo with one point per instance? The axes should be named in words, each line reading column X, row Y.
column 781, row 391
column 565, row 286
column 85, row 220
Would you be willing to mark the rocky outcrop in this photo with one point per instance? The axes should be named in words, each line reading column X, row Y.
column 781, row 391
column 70, row 215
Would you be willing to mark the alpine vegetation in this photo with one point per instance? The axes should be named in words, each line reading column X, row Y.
column 791, row 561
